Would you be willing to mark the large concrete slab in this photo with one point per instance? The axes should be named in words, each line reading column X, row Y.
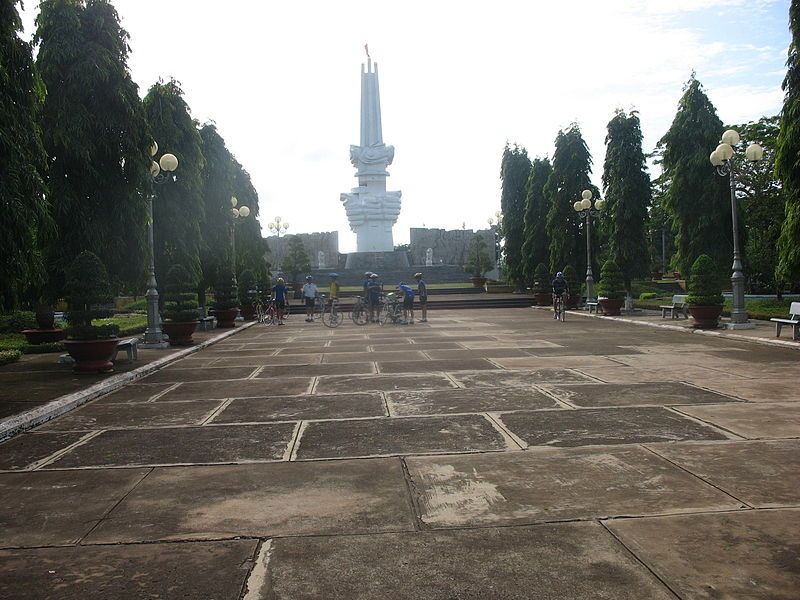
column 747, row 554
column 24, row 450
column 181, row 445
column 204, row 374
column 197, row 571
column 527, row 487
column 763, row 474
column 473, row 400
column 430, row 366
column 555, row 362
column 381, row 383
column 266, row 359
column 364, row 496
column 760, row 390
column 635, row 394
column 606, row 426
column 519, row 378
column 339, row 406
column 125, row 416
column 52, row 507
column 464, row 354
column 384, row 356
column 578, row 561
column 137, row 392
column 248, row 388
column 398, row 436
column 350, row 368
column 767, row 420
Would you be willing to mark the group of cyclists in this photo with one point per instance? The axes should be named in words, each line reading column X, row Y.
column 373, row 296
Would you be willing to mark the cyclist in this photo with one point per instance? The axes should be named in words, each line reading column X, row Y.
column 408, row 302
column 373, row 296
column 279, row 292
column 334, row 286
column 310, row 296
column 560, row 291
column 422, row 292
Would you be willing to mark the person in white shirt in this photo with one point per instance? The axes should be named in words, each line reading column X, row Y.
column 310, row 295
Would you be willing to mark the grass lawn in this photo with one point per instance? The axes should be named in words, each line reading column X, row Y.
column 128, row 323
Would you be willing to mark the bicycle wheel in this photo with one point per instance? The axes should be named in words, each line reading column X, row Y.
column 332, row 316
column 384, row 314
column 360, row 315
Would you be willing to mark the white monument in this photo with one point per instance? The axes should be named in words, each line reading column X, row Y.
column 371, row 210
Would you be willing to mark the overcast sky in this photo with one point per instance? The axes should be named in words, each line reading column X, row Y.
column 458, row 79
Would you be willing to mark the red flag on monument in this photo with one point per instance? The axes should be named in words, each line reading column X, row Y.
column 366, row 49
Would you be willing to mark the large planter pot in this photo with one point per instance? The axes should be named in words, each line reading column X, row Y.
column 705, row 317
column 92, row 356
column 478, row 282
column 226, row 318
column 248, row 312
column 180, row 333
column 572, row 301
column 43, row 336
column 543, row 299
column 611, row 306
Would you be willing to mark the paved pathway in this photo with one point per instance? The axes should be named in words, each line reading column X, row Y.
column 487, row 455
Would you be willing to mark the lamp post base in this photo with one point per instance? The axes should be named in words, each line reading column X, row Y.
column 162, row 345
column 745, row 325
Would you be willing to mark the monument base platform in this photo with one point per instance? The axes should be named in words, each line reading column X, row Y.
column 377, row 261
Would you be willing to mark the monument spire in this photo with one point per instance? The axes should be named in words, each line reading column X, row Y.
column 371, row 210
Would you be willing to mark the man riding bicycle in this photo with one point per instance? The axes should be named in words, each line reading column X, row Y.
column 560, row 292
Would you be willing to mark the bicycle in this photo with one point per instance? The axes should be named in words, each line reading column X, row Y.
column 391, row 309
column 331, row 316
column 360, row 313
column 559, row 312
column 259, row 311
column 319, row 307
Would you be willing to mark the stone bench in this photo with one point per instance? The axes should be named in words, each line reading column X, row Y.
column 130, row 346
column 677, row 308
column 594, row 306
column 793, row 321
column 207, row 323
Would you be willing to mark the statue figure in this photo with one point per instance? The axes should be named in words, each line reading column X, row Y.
column 429, row 257
column 321, row 259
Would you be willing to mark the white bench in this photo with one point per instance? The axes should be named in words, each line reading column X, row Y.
column 677, row 308
column 594, row 306
column 793, row 321
column 130, row 346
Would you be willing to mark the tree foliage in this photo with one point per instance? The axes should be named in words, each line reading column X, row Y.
column 535, row 245
column 697, row 198
column 251, row 247
column 612, row 284
column 296, row 260
column 96, row 137
column 180, row 303
column 572, row 164
column 515, row 168
column 24, row 211
column 177, row 205
column 86, row 287
column 627, row 193
column 478, row 259
column 788, row 156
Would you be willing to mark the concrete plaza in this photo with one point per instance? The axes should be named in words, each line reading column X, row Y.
column 488, row 454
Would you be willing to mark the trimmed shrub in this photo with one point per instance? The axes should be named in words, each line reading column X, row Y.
column 541, row 279
column 571, row 275
column 16, row 321
column 225, row 293
column 87, row 287
column 248, row 290
column 704, row 284
column 180, row 301
column 647, row 295
column 611, row 284
column 9, row 356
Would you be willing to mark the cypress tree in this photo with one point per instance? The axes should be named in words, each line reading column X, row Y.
column 572, row 164
column 515, row 168
column 697, row 198
column 788, row 157
column 25, row 217
column 96, row 137
column 535, row 247
column 177, row 205
column 627, row 193
column 251, row 247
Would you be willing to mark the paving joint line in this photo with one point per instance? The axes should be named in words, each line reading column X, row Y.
column 511, row 439
column 256, row 372
column 43, row 462
column 412, row 496
column 549, row 393
column 258, row 576
column 675, row 408
column 294, row 445
column 455, row 382
column 159, row 394
column 214, row 412
column 386, row 404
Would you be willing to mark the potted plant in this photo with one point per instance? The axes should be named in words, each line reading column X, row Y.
column 571, row 275
column 611, row 289
column 181, row 312
column 705, row 293
column 248, row 292
column 542, row 290
column 46, row 331
column 478, row 261
column 91, row 346
column 226, row 301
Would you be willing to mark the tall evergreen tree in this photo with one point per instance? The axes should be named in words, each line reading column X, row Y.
column 535, row 247
column 626, row 188
column 25, row 217
column 572, row 164
column 96, row 137
column 515, row 168
column 788, row 157
column 251, row 247
column 697, row 198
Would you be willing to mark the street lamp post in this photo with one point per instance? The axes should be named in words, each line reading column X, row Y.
column 723, row 160
column 278, row 228
column 584, row 208
column 242, row 212
column 161, row 172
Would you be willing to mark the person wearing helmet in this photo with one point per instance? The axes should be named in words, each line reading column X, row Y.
column 310, row 296
column 560, row 291
column 422, row 292
column 279, row 292
column 373, row 296
column 408, row 302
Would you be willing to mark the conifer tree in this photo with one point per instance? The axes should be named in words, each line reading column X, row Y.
column 24, row 217
column 535, row 247
column 788, row 157
column 514, row 171
column 697, row 198
column 572, row 164
column 177, row 205
column 96, row 137
column 627, row 194
column 251, row 247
